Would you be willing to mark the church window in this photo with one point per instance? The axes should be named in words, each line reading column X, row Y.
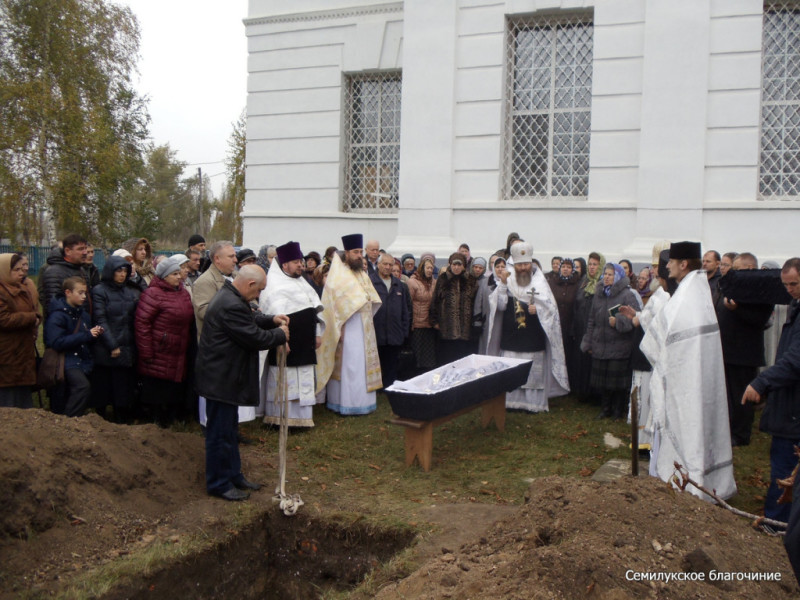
column 780, row 102
column 549, row 99
column 372, row 142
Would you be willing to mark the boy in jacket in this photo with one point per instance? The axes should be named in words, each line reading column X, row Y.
column 68, row 329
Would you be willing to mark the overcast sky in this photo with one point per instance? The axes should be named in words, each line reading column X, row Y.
column 193, row 68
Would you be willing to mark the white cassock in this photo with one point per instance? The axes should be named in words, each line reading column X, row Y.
column 286, row 295
column 347, row 360
column 688, row 401
column 641, row 379
column 349, row 395
column 548, row 375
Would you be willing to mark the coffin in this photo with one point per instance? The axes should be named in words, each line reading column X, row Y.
column 456, row 386
column 756, row 286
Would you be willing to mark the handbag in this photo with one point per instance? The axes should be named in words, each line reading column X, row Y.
column 51, row 368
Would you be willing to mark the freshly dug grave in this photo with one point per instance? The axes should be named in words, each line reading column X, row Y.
column 78, row 494
column 82, row 493
column 577, row 538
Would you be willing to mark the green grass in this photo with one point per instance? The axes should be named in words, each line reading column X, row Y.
column 358, row 463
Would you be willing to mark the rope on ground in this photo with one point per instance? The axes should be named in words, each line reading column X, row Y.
column 288, row 504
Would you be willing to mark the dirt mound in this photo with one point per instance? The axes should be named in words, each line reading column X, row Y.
column 577, row 538
column 76, row 492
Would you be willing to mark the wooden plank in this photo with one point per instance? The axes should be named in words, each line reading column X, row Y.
column 419, row 434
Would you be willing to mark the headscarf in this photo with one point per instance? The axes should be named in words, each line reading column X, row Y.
column 403, row 264
column 5, row 268
column 433, row 260
column 567, row 261
column 420, row 272
column 619, row 273
column 478, row 260
column 591, row 282
column 262, row 260
column 646, row 291
column 492, row 280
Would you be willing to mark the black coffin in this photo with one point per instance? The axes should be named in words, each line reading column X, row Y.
column 474, row 379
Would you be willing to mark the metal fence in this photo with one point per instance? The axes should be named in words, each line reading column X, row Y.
column 37, row 255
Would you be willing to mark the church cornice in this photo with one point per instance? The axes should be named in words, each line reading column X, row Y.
column 323, row 15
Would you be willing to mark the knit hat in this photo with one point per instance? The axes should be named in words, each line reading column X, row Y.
column 196, row 239
column 179, row 258
column 123, row 253
column 481, row 262
column 167, row 267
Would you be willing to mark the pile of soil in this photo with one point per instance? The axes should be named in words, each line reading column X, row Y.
column 578, row 538
column 78, row 493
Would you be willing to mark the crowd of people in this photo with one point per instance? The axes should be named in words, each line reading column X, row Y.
column 137, row 345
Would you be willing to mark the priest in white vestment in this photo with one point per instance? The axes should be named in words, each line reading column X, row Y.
column 687, row 387
column 289, row 293
column 524, row 323
column 347, row 360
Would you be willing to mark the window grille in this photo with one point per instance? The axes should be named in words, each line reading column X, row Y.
column 372, row 142
column 549, row 98
column 780, row 102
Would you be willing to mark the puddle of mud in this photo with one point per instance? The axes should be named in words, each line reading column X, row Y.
column 276, row 557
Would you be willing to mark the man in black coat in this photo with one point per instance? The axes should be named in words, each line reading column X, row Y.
column 741, row 330
column 393, row 319
column 227, row 374
column 63, row 263
column 780, row 386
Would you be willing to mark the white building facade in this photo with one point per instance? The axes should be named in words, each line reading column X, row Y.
column 583, row 125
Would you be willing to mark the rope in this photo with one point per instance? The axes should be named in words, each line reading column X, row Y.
column 288, row 504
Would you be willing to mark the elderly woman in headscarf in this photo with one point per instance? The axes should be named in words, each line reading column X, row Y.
column 643, row 283
column 409, row 264
column 481, row 309
column 580, row 375
column 19, row 319
column 609, row 339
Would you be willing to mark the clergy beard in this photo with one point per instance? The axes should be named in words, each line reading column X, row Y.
column 355, row 264
column 523, row 279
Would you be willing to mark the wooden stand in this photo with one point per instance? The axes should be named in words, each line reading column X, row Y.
column 419, row 434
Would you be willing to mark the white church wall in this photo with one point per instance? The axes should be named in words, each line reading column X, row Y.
column 298, row 51
column 675, row 127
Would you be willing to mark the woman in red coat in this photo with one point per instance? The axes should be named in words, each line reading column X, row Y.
column 164, row 318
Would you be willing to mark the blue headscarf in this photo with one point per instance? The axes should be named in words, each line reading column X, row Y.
column 619, row 273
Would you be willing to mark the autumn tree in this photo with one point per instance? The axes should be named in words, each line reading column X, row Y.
column 228, row 221
column 72, row 128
